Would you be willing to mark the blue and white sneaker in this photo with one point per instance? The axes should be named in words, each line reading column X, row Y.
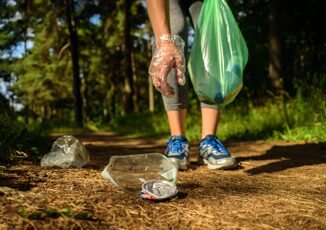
column 214, row 154
column 178, row 151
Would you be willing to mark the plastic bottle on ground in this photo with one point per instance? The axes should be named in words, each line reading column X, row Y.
column 130, row 172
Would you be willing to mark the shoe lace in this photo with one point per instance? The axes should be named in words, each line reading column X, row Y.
column 176, row 144
column 215, row 144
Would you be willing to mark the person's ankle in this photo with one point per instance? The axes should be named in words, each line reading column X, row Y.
column 178, row 135
column 204, row 135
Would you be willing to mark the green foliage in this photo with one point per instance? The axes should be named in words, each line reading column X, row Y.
column 17, row 142
column 307, row 114
column 12, row 135
column 41, row 76
column 140, row 124
column 306, row 121
column 63, row 125
column 301, row 118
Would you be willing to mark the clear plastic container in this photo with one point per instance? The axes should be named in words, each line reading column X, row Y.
column 130, row 172
column 67, row 151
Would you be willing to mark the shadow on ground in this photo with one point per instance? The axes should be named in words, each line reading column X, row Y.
column 18, row 179
column 290, row 156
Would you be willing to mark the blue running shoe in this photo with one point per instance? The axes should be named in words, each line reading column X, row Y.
column 178, row 151
column 213, row 153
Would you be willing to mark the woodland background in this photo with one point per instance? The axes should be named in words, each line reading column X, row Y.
column 82, row 65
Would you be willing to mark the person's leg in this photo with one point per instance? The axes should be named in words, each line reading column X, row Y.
column 210, row 113
column 177, row 122
column 194, row 7
column 211, row 150
column 176, row 106
column 178, row 148
column 210, row 119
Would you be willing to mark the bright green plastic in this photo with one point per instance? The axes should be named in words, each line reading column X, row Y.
column 218, row 55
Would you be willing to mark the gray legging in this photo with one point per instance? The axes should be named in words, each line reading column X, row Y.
column 179, row 9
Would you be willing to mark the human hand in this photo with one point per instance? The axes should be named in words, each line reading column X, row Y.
column 167, row 55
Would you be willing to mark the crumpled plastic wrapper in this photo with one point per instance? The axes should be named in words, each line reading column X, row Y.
column 67, row 151
column 158, row 190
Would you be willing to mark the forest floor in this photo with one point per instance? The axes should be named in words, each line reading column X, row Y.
column 279, row 185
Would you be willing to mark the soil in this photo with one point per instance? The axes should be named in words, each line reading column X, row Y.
column 278, row 185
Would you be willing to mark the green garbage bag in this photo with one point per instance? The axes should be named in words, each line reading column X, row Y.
column 218, row 55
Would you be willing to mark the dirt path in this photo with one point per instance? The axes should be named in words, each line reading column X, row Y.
column 280, row 185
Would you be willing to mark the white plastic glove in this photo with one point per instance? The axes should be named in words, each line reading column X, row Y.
column 167, row 55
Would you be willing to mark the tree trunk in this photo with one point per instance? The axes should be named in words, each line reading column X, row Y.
column 106, row 104
column 150, row 83
column 87, row 91
column 26, row 22
column 275, row 64
column 128, row 89
column 135, row 81
column 73, row 37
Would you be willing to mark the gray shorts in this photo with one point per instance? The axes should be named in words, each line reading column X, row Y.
column 179, row 11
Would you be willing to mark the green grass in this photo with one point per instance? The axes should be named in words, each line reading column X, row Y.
column 294, row 120
column 140, row 125
column 17, row 142
column 58, row 126
column 300, row 119
column 275, row 121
